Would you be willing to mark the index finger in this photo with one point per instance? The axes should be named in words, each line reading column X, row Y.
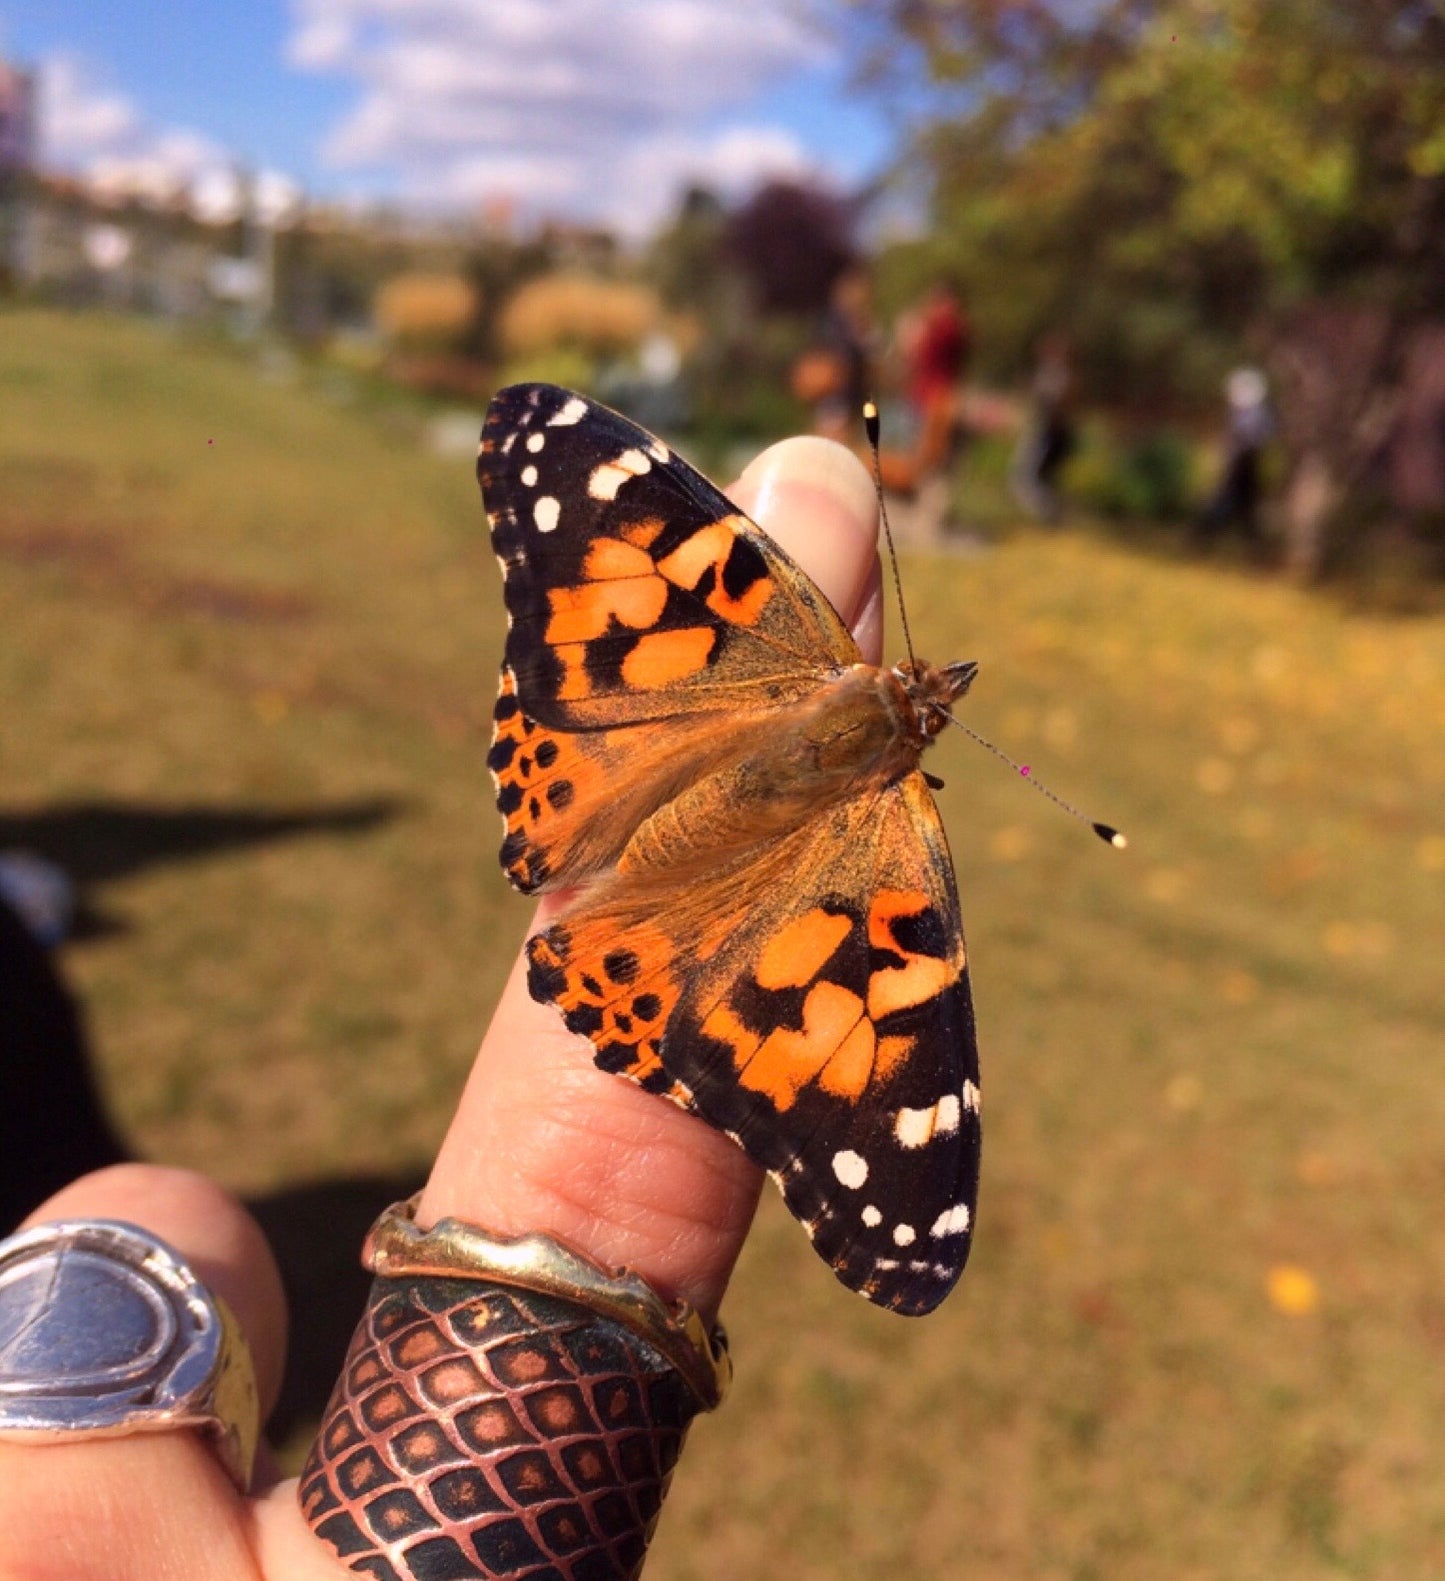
column 542, row 1139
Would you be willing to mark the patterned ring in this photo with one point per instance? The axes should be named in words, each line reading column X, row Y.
column 507, row 1409
column 395, row 1246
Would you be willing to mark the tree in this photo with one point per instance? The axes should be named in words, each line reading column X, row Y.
column 791, row 242
column 1176, row 180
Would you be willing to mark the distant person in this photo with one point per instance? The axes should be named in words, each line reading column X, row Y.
column 1249, row 428
column 1049, row 437
column 935, row 342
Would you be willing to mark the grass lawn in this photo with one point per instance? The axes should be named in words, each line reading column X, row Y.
column 248, row 638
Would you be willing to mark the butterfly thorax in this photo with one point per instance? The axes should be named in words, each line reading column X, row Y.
column 931, row 691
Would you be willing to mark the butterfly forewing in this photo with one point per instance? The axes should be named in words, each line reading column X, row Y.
column 634, row 589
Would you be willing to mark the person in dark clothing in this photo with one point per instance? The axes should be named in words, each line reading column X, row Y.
column 1048, row 439
column 1235, row 500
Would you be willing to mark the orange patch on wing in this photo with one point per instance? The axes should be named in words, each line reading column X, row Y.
column 610, row 559
column 795, row 955
column 585, row 958
column 580, row 614
column 921, row 977
column 848, row 1072
column 787, row 1061
column 642, row 532
column 744, row 611
column 723, row 1025
column 888, row 906
column 708, row 546
column 575, row 683
column 902, row 987
column 661, row 657
column 890, row 1052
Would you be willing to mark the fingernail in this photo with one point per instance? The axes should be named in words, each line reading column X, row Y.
column 815, row 498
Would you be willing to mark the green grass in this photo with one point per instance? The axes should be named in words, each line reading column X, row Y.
column 1217, row 1055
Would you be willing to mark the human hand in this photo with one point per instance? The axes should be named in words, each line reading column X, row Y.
column 541, row 1141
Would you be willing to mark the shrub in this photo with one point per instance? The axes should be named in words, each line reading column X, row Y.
column 580, row 311
column 425, row 311
column 1149, row 475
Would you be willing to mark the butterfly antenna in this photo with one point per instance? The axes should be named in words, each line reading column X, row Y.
column 871, row 428
column 1106, row 832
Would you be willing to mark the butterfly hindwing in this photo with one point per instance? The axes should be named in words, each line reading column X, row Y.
column 816, row 1008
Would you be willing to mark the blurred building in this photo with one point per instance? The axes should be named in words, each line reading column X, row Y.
column 17, row 160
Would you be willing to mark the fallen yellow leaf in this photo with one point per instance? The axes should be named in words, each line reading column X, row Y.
column 1292, row 1290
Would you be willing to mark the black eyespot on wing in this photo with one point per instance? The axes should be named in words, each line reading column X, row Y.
column 622, row 966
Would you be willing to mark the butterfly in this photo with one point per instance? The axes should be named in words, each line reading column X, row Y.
column 766, row 927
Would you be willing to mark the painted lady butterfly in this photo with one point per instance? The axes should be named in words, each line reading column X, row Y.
column 766, row 930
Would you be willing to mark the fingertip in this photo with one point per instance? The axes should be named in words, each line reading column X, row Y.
column 816, row 499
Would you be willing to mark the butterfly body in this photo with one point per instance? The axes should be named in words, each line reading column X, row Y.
column 765, row 927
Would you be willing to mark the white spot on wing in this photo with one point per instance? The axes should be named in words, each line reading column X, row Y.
column 508, row 442
column 952, row 1221
column 574, row 411
column 872, row 1217
column 611, row 475
column 529, row 476
column 546, row 513
column 659, row 452
column 970, row 1097
column 904, row 1235
column 850, row 1168
column 916, row 1127
column 535, row 442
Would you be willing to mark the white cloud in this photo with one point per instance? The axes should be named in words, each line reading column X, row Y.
column 579, row 107
column 90, row 127
column 81, row 120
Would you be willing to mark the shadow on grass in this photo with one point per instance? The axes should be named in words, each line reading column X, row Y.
column 53, row 1122
column 316, row 1230
column 98, row 842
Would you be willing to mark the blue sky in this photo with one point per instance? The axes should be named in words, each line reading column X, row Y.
column 590, row 109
